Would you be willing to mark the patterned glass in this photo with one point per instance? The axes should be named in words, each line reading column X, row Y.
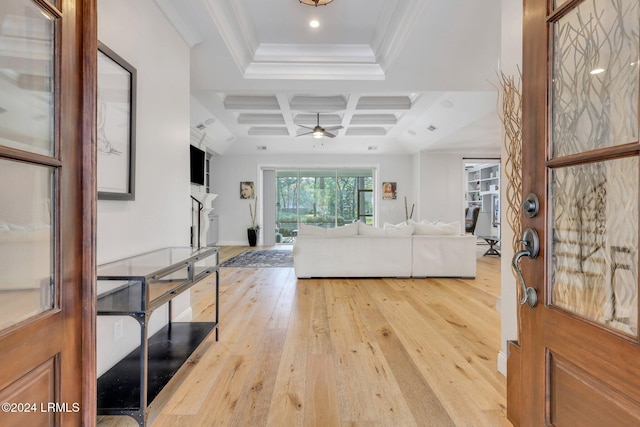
column 26, row 241
column 594, row 86
column 595, row 242
column 26, row 77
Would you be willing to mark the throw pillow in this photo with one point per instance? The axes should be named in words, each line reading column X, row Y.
column 369, row 230
column 401, row 229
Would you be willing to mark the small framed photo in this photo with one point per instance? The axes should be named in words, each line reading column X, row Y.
column 247, row 190
column 389, row 190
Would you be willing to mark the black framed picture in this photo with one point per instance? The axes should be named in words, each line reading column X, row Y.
column 116, row 123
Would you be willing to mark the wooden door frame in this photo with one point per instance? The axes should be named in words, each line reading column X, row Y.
column 535, row 66
column 535, row 39
column 88, row 55
column 527, row 368
column 80, row 29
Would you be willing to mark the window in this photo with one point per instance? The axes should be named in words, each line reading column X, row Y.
column 324, row 197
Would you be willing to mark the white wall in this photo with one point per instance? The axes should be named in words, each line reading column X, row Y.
column 229, row 171
column 441, row 186
column 510, row 60
column 159, row 216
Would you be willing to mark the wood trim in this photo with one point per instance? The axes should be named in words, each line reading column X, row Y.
column 563, row 10
column 49, row 8
column 514, row 374
column 534, row 134
column 89, row 54
column 608, row 153
column 15, row 154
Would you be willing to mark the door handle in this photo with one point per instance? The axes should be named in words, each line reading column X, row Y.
column 531, row 249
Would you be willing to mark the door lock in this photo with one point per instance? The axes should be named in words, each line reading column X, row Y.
column 531, row 205
column 531, row 249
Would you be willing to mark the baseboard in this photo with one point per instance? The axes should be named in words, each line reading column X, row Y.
column 502, row 363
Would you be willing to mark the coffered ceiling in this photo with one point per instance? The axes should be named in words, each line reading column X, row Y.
column 397, row 76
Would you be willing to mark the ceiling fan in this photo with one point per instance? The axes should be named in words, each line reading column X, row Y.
column 318, row 131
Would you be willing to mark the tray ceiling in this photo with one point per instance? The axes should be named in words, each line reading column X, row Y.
column 398, row 75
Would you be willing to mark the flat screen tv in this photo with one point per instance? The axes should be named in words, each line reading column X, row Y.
column 197, row 165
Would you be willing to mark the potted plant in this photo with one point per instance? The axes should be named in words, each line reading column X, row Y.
column 252, row 231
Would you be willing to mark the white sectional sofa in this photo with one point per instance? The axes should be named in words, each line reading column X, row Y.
column 359, row 250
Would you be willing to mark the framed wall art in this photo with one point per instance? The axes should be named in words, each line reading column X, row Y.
column 389, row 190
column 116, row 123
column 247, row 190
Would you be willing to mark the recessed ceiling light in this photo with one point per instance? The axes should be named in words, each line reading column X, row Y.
column 314, row 23
column 411, row 132
column 597, row 71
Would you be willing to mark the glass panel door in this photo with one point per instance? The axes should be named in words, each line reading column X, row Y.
column 28, row 186
column 318, row 199
column 26, row 77
column 286, row 206
column 324, row 198
column 26, row 241
column 594, row 201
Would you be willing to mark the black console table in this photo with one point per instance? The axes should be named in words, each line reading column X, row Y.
column 135, row 287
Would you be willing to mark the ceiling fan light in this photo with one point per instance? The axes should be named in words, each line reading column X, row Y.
column 315, row 3
column 318, row 134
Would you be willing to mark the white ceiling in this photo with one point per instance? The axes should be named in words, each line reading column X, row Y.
column 384, row 70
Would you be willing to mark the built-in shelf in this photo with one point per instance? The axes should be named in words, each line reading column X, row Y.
column 483, row 190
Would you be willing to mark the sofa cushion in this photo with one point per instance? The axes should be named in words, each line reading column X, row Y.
column 401, row 229
column 437, row 228
column 369, row 230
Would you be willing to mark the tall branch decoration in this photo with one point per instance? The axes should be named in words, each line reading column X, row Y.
column 510, row 112
column 408, row 215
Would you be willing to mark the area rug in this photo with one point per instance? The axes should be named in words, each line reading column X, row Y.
column 260, row 259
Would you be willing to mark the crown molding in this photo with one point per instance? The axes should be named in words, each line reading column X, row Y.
column 396, row 22
column 322, row 53
column 290, row 61
column 314, row 71
column 188, row 34
column 233, row 24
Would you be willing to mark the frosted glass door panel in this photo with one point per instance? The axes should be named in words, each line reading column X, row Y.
column 26, row 241
column 26, row 76
column 595, row 242
column 595, row 77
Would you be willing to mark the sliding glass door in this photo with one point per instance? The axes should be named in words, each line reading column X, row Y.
column 323, row 197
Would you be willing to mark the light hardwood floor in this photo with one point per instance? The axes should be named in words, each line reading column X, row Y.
column 341, row 352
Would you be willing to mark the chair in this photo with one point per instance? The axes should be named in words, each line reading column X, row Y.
column 471, row 219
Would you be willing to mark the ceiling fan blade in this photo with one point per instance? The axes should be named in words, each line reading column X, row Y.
column 306, row 133
column 329, row 134
column 306, row 127
column 334, row 128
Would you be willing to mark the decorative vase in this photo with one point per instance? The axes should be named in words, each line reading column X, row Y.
column 252, row 235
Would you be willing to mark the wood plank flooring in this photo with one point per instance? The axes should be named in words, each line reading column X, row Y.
column 340, row 352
